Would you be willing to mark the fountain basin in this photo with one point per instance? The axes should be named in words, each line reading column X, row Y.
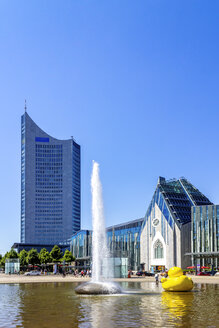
column 98, row 288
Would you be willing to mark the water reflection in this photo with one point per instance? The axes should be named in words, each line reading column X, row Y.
column 49, row 303
column 9, row 305
column 145, row 305
column 178, row 305
column 112, row 311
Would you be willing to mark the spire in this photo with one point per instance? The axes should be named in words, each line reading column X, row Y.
column 25, row 105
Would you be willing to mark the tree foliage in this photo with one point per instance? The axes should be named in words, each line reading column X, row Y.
column 23, row 257
column 33, row 257
column 3, row 260
column 68, row 257
column 56, row 254
column 12, row 254
column 45, row 256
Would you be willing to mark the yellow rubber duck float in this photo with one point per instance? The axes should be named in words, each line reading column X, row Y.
column 177, row 281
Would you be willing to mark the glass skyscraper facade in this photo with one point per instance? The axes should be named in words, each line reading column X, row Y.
column 205, row 235
column 50, row 186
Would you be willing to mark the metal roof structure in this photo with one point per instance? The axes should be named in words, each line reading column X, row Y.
column 175, row 199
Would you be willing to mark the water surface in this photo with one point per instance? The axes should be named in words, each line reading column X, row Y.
column 144, row 305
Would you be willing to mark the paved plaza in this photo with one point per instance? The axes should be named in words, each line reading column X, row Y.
column 19, row 279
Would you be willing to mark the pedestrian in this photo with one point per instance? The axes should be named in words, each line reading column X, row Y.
column 157, row 278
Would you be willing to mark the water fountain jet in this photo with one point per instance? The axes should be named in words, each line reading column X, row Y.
column 101, row 270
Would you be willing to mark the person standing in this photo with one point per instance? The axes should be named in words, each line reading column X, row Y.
column 156, row 278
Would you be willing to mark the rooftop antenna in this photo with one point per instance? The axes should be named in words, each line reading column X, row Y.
column 25, row 105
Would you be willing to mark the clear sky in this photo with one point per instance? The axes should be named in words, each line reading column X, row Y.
column 135, row 82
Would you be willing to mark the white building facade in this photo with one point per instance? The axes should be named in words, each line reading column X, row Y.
column 166, row 230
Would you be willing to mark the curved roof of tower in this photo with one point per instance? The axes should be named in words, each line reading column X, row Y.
column 38, row 129
column 178, row 196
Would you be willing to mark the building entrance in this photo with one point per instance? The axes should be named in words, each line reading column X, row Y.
column 156, row 268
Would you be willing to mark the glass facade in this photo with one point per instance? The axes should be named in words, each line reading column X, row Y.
column 49, row 191
column 123, row 242
column 166, row 229
column 76, row 187
column 12, row 266
column 175, row 199
column 167, row 218
column 23, row 178
column 50, row 186
column 80, row 244
column 205, row 235
column 119, row 265
column 20, row 246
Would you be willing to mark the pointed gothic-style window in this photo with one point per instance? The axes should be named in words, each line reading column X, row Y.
column 158, row 250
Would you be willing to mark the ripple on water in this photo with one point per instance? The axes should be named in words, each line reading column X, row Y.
column 144, row 305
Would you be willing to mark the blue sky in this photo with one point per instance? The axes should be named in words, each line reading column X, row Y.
column 136, row 84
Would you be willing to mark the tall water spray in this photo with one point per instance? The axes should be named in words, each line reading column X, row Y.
column 100, row 255
column 101, row 268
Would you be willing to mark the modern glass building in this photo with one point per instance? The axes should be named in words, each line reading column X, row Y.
column 81, row 248
column 162, row 239
column 50, row 186
column 205, row 235
column 18, row 247
column 123, row 242
column 166, row 230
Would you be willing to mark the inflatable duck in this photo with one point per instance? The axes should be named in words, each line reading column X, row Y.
column 176, row 281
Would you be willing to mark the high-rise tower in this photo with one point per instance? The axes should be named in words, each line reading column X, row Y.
column 50, row 186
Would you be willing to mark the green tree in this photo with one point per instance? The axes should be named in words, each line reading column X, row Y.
column 3, row 259
column 33, row 257
column 68, row 257
column 23, row 257
column 56, row 254
column 45, row 256
column 11, row 255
